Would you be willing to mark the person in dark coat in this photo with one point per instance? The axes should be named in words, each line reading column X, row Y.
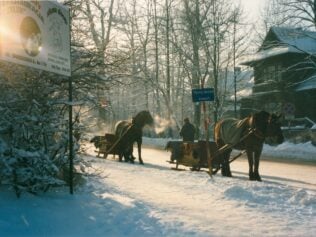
column 187, row 131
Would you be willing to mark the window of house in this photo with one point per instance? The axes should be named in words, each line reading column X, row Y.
column 272, row 73
column 268, row 73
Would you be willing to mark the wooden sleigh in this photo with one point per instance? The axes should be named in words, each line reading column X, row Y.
column 194, row 155
column 105, row 145
column 109, row 143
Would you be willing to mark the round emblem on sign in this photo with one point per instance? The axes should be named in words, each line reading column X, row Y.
column 289, row 108
column 31, row 36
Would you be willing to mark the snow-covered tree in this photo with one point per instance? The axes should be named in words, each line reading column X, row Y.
column 33, row 128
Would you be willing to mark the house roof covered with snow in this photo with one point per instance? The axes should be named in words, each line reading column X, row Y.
column 282, row 40
column 308, row 84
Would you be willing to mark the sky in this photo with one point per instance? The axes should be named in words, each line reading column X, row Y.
column 252, row 7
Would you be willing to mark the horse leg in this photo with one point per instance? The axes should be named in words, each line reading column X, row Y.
column 132, row 158
column 229, row 173
column 250, row 162
column 139, row 146
column 126, row 156
column 225, row 164
column 130, row 154
column 256, row 166
column 120, row 157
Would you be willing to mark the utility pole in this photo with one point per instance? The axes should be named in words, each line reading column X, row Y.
column 235, row 83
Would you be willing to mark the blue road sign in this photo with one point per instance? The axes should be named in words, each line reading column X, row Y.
column 205, row 94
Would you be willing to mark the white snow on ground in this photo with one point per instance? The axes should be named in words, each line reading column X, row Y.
column 122, row 199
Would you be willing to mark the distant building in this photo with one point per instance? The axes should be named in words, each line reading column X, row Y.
column 284, row 74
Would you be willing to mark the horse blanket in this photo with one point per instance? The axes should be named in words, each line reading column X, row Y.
column 232, row 130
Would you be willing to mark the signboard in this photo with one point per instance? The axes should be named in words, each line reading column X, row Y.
column 36, row 34
column 289, row 110
column 205, row 94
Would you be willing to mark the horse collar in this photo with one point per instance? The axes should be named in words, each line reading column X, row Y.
column 258, row 133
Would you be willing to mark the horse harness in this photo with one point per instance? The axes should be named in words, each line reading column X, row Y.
column 255, row 131
column 132, row 125
column 119, row 139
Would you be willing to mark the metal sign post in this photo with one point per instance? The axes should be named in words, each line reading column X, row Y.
column 70, row 138
column 203, row 95
column 70, row 127
column 207, row 138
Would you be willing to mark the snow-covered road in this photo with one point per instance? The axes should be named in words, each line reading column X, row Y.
column 185, row 203
column 293, row 174
column 120, row 199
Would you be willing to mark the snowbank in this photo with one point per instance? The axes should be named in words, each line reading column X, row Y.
column 286, row 151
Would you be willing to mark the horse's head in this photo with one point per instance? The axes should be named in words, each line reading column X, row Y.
column 274, row 131
column 143, row 118
column 268, row 126
column 260, row 122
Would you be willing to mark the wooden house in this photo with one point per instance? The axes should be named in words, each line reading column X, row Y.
column 284, row 74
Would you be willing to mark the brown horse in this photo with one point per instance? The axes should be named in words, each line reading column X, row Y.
column 248, row 134
column 130, row 132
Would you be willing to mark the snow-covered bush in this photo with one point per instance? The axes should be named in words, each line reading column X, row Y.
column 28, row 171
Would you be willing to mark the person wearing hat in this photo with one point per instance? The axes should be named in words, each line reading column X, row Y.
column 187, row 131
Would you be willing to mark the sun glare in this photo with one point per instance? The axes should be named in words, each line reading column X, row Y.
column 7, row 35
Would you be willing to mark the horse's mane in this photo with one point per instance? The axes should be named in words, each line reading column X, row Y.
column 142, row 118
column 139, row 121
